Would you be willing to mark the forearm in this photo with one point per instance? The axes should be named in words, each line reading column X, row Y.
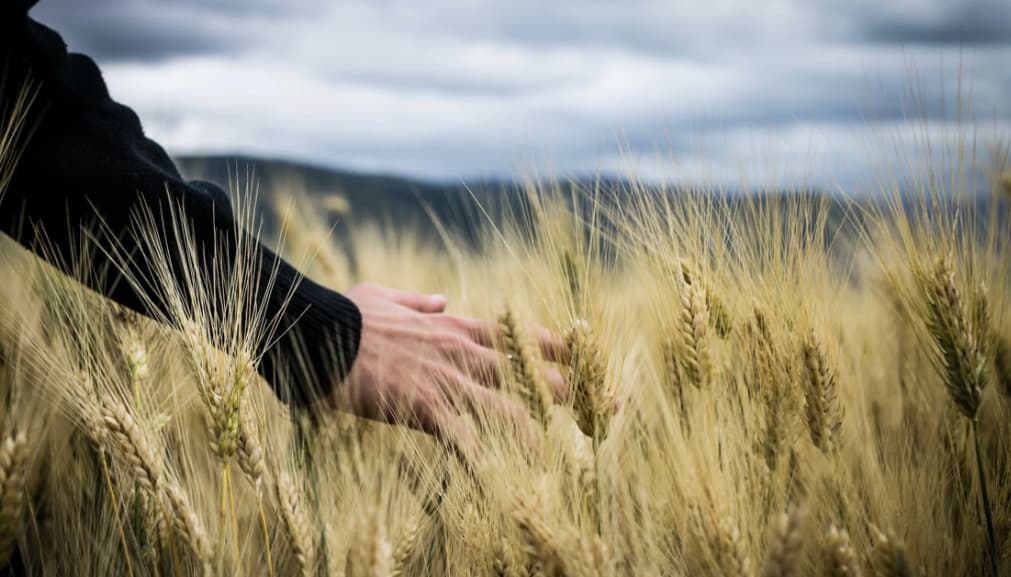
column 88, row 168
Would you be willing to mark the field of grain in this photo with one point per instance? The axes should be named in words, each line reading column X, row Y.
column 758, row 388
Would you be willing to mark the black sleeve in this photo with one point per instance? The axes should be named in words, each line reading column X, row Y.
column 87, row 159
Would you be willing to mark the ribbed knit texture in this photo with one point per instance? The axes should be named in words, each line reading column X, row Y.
column 87, row 159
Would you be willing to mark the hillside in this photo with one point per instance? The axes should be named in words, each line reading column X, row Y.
column 463, row 208
column 379, row 197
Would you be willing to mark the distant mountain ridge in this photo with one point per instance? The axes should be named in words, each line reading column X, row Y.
column 463, row 208
column 382, row 197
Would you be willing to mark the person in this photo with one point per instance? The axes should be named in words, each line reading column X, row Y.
column 381, row 353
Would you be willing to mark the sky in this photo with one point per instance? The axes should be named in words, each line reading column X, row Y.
column 778, row 92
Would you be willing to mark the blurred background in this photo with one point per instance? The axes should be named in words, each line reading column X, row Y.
column 778, row 93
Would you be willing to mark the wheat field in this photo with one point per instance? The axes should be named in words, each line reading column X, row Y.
column 757, row 388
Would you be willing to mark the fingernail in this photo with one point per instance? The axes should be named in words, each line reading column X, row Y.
column 439, row 300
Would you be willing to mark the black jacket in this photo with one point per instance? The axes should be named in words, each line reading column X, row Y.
column 87, row 157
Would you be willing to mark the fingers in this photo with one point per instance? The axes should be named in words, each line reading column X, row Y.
column 556, row 383
column 484, row 333
column 487, row 366
column 487, row 334
column 482, row 364
column 487, row 405
column 553, row 347
column 432, row 413
column 423, row 303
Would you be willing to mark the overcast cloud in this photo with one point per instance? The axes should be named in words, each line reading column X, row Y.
column 774, row 91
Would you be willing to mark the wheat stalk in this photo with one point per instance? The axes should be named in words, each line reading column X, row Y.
column 772, row 383
column 961, row 340
column 14, row 128
column 675, row 380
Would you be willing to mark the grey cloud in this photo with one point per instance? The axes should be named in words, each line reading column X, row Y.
column 153, row 30
column 138, row 41
column 969, row 23
column 447, row 88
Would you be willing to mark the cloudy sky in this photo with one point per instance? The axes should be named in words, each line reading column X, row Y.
column 770, row 91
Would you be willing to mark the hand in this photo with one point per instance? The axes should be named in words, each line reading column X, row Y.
column 420, row 367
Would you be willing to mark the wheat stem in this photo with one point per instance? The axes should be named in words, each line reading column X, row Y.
column 985, row 495
column 115, row 511
column 266, row 536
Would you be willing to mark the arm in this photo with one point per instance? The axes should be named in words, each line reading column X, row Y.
column 88, row 159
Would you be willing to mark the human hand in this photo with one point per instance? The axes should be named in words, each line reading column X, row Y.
column 420, row 367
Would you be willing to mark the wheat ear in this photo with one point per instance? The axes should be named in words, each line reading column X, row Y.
column 249, row 450
column 188, row 526
column 963, row 357
column 13, row 455
column 370, row 554
column 407, row 544
column 592, row 401
column 841, row 557
column 539, row 539
column 524, row 365
column 694, row 327
column 297, row 524
column 824, row 417
column 961, row 339
column 731, row 551
column 783, row 556
column 131, row 445
column 888, row 557
column 502, row 565
column 719, row 316
column 1002, row 364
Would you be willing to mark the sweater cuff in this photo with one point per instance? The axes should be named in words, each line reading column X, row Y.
column 320, row 333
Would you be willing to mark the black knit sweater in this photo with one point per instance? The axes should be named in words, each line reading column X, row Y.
column 87, row 160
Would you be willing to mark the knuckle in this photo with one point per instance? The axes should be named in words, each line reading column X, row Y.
column 457, row 342
column 453, row 321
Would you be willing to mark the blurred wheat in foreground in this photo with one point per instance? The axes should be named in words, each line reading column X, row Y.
column 777, row 385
